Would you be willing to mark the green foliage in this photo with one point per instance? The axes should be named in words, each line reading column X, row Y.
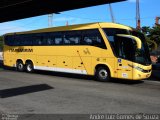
column 146, row 29
column 155, row 34
column 152, row 34
column 1, row 38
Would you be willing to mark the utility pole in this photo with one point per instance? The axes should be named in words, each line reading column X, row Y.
column 157, row 21
column 138, row 17
column 50, row 20
column 67, row 23
column 111, row 13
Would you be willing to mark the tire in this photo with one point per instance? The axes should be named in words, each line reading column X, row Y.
column 20, row 66
column 29, row 67
column 102, row 74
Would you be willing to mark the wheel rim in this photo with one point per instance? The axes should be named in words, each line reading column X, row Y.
column 29, row 67
column 103, row 74
column 20, row 66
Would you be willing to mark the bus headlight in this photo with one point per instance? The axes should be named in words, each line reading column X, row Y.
column 140, row 69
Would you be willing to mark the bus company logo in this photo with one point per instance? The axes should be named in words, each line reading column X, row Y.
column 86, row 51
column 20, row 50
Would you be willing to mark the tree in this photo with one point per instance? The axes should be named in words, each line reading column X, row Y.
column 146, row 30
column 155, row 34
column 152, row 35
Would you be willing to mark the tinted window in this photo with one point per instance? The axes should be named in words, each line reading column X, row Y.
column 58, row 38
column 58, row 41
column 72, row 37
column 38, row 39
column 22, row 40
column 50, row 41
column 112, row 32
column 9, row 40
column 93, row 37
column 17, row 40
column 111, row 35
column 48, row 38
column 27, row 40
column 84, row 37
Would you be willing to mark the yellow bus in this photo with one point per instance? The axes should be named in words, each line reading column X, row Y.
column 105, row 50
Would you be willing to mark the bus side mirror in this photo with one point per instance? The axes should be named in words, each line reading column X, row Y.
column 131, row 37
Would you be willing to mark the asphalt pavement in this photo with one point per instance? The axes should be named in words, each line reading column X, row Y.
column 57, row 93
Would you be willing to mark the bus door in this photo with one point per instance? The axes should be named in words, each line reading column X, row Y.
column 125, row 54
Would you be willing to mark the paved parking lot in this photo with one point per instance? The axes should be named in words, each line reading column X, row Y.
column 48, row 92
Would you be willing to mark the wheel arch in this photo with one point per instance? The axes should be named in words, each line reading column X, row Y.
column 28, row 60
column 19, row 60
column 106, row 66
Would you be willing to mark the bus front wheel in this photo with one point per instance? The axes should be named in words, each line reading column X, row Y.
column 29, row 67
column 20, row 66
column 102, row 74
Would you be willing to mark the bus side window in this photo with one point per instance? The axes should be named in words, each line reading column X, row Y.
column 47, row 39
column 58, row 41
column 9, row 39
column 29, row 40
column 39, row 39
column 75, row 40
column 17, row 40
column 93, row 38
column 57, row 38
column 88, row 40
column 6, row 40
column 72, row 37
column 50, row 41
column 26, row 40
column 66, row 40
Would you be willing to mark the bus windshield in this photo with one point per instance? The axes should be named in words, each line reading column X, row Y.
column 142, row 55
column 126, row 49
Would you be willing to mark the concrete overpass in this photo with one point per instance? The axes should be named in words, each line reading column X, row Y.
column 19, row 9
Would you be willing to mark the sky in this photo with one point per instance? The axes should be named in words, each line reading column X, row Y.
column 124, row 13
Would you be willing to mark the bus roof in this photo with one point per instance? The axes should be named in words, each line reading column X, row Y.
column 76, row 27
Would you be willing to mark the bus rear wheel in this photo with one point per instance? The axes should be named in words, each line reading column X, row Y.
column 29, row 67
column 20, row 66
column 102, row 74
